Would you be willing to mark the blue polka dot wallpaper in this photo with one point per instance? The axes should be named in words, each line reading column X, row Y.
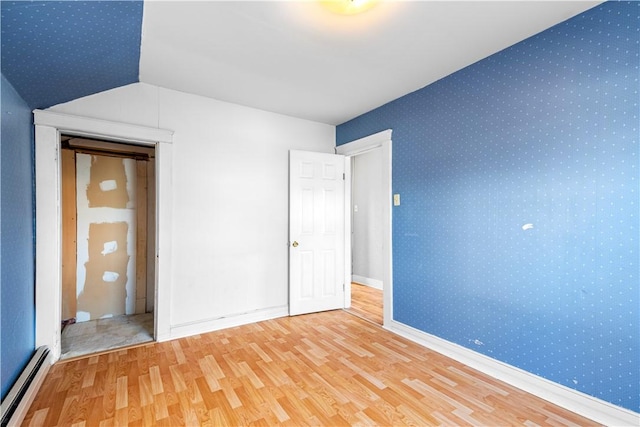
column 57, row 51
column 518, row 232
column 17, row 310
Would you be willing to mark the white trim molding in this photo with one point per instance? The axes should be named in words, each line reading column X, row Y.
column 381, row 140
column 48, row 128
column 365, row 144
column 230, row 321
column 17, row 402
column 98, row 128
column 368, row 281
column 565, row 397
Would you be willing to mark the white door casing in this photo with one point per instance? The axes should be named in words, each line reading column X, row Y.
column 383, row 141
column 48, row 127
column 316, row 232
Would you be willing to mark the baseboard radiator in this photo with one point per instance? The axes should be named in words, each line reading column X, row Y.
column 14, row 407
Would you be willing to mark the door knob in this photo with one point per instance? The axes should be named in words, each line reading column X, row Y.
column 294, row 244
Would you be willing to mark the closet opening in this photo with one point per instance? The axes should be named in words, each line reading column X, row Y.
column 108, row 207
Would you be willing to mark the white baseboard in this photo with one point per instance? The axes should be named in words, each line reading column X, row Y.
column 17, row 402
column 230, row 321
column 374, row 283
column 588, row 406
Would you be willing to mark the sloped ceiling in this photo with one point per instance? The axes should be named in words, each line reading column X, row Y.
column 57, row 51
column 294, row 58
column 299, row 59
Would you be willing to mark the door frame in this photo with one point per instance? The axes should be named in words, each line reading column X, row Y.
column 48, row 227
column 383, row 141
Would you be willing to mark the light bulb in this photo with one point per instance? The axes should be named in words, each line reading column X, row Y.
column 348, row 7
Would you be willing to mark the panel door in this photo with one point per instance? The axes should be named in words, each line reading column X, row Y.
column 316, row 232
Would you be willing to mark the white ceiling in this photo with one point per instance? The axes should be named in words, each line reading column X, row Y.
column 298, row 59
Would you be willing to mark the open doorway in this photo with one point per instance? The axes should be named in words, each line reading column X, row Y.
column 367, row 198
column 368, row 227
column 108, row 245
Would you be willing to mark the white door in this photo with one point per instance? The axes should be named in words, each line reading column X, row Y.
column 316, row 232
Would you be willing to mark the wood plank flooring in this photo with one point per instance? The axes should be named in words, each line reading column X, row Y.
column 325, row 369
column 366, row 302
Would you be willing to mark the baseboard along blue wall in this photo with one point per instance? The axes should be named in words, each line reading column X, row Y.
column 517, row 235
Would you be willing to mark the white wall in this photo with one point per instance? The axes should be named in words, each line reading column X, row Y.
column 230, row 196
column 367, row 230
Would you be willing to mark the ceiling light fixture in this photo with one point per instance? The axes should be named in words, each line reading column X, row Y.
column 348, row 7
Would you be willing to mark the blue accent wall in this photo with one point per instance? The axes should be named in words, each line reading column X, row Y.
column 17, row 288
column 57, row 51
column 518, row 232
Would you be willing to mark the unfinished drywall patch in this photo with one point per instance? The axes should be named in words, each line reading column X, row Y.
column 106, row 236
column 108, row 183
column 104, row 290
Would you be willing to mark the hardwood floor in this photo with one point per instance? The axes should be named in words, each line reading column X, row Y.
column 327, row 369
column 366, row 302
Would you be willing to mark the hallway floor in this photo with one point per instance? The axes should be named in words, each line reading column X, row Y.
column 95, row 336
column 366, row 302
